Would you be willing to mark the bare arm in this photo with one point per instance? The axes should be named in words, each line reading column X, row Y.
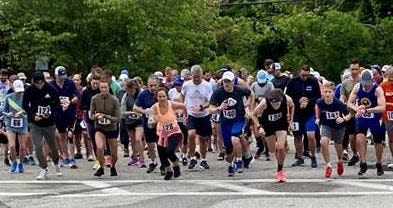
column 381, row 107
column 291, row 108
column 258, row 109
column 352, row 98
column 178, row 106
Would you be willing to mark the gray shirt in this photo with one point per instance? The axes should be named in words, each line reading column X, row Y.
column 261, row 91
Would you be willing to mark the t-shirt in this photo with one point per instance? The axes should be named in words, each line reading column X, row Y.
column 235, row 102
column 262, row 91
column 281, row 82
column 67, row 91
column 347, row 86
column 330, row 112
column 145, row 100
column 174, row 94
column 388, row 92
column 196, row 95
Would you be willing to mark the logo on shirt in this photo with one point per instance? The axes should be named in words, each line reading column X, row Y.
column 47, row 96
column 231, row 102
column 309, row 88
column 388, row 93
column 365, row 101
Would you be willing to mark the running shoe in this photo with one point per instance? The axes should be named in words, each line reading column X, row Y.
column 132, row 161
column 184, row 161
column 221, row 156
column 379, row 169
column 353, row 161
column 197, row 155
column 240, row 166
column 363, row 168
column 168, row 175
column 141, row 163
column 90, row 158
column 328, row 171
column 247, row 161
column 113, row 171
column 99, row 172
column 14, row 167
column 204, row 165
column 151, row 167
column 231, row 170
column 31, row 160
column 281, row 178
column 313, row 162
column 20, row 168
column 306, row 153
column 43, row 175
column 72, row 163
column 162, row 170
column 390, row 166
column 126, row 153
column 26, row 160
column 78, row 156
column 340, row 168
column 176, row 171
column 192, row 164
column 298, row 161
column 58, row 170
column 345, row 155
column 96, row 165
column 65, row 162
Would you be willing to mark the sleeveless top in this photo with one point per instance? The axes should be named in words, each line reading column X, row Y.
column 369, row 100
column 273, row 117
column 166, row 125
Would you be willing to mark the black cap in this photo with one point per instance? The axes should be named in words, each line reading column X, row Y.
column 38, row 76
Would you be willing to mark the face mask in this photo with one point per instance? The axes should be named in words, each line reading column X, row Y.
column 263, row 84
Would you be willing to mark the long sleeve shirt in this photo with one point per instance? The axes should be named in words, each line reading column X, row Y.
column 110, row 107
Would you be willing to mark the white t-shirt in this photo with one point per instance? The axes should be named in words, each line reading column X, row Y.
column 196, row 95
column 174, row 94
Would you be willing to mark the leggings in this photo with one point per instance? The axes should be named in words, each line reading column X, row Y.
column 168, row 153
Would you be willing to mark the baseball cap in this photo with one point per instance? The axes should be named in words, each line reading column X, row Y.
column 275, row 66
column 38, row 76
column 366, row 77
column 262, row 77
column 123, row 77
column 18, row 86
column 124, row 71
column 21, row 75
column 159, row 74
column 61, row 72
column 384, row 68
column 229, row 76
column 178, row 81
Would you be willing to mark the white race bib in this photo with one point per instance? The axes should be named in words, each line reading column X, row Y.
column 43, row 111
column 167, row 127
column 16, row 122
column 390, row 115
column 104, row 121
column 216, row 117
column 295, row 126
column 180, row 117
column 229, row 114
column 368, row 115
column 274, row 117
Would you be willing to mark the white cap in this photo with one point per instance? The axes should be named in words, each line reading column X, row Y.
column 158, row 74
column 228, row 75
column 61, row 71
column 18, row 86
column 122, row 77
column 384, row 68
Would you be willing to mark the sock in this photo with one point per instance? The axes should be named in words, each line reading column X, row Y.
column 193, row 158
column 279, row 168
column 203, row 159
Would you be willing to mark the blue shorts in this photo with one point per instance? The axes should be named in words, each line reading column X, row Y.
column 229, row 129
column 202, row 125
column 376, row 128
column 305, row 126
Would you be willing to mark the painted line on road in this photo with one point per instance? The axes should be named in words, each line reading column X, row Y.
column 379, row 193
column 21, row 194
column 106, row 188
column 232, row 187
column 289, row 180
column 360, row 184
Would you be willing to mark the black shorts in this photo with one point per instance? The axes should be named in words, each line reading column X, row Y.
column 77, row 126
column 271, row 130
column 150, row 135
column 109, row 134
column 63, row 125
column 350, row 126
column 134, row 124
column 202, row 125
column 3, row 139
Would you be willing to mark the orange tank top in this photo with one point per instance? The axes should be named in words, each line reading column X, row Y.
column 388, row 93
column 166, row 124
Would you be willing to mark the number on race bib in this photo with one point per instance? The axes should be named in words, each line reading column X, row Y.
column 167, row 127
column 390, row 115
column 16, row 122
column 295, row 126
column 274, row 117
column 229, row 114
column 216, row 117
column 2, row 103
column 43, row 111
column 104, row 121
column 332, row 115
column 368, row 115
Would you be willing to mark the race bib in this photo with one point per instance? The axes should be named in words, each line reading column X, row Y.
column 274, row 117
column 368, row 115
column 16, row 122
column 104, row 121
column 231, row 102
column 180, row 117
column 43, row 111
column 168, row 127
column 216, row 117
column 2, row 103
column 295, row 126
column 390, row 115
column 332, row 115
column 229, row 114
column 64, row 99
column 83, row 124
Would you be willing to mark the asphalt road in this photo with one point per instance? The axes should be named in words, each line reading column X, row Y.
column 256, row 187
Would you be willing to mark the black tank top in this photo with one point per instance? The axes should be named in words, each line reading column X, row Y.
column 278, row 117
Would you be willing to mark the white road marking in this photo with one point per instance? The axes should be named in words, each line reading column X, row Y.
column 231, row 187
column 360, row 184
column 20, row 194
column 106, row 188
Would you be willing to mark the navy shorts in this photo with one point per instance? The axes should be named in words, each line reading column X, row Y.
column 305, row 125
column 234, row 128
column 202, row 125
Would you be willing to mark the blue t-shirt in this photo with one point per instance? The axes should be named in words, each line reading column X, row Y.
column 235, row 109
column 330, row 112
column 68, row 91
column 145, row 100
column 337, row 91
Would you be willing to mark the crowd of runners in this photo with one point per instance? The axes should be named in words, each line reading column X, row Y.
column 178, row 118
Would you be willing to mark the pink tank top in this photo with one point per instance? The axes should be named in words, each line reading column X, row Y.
column 166, row 125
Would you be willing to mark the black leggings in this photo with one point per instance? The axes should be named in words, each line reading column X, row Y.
column 168, row 153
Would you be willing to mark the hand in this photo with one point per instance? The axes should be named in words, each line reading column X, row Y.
column 147, row 111
column 19, row 114
column 65, row 106
column 98, row 116
column 223, row 106
column 10, row 114
column 339, row 120
column 261, row 132
column 37, row 118
column 360, row 113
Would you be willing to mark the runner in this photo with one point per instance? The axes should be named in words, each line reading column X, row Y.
column 305, row 91
column 331, row 115
column 168, row 131
column 39, row 100
column 197, row 93
column 105, row 111
column 5, row 86
column 277, row 113
column 16, row 125
column 387, row 116
column 229, row 101
column 368, row 101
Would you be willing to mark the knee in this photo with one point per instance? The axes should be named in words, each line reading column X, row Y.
column 325, row 141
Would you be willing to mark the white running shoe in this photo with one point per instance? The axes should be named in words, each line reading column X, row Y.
column 43, row 175
column 58, row 170
column 390, row 166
